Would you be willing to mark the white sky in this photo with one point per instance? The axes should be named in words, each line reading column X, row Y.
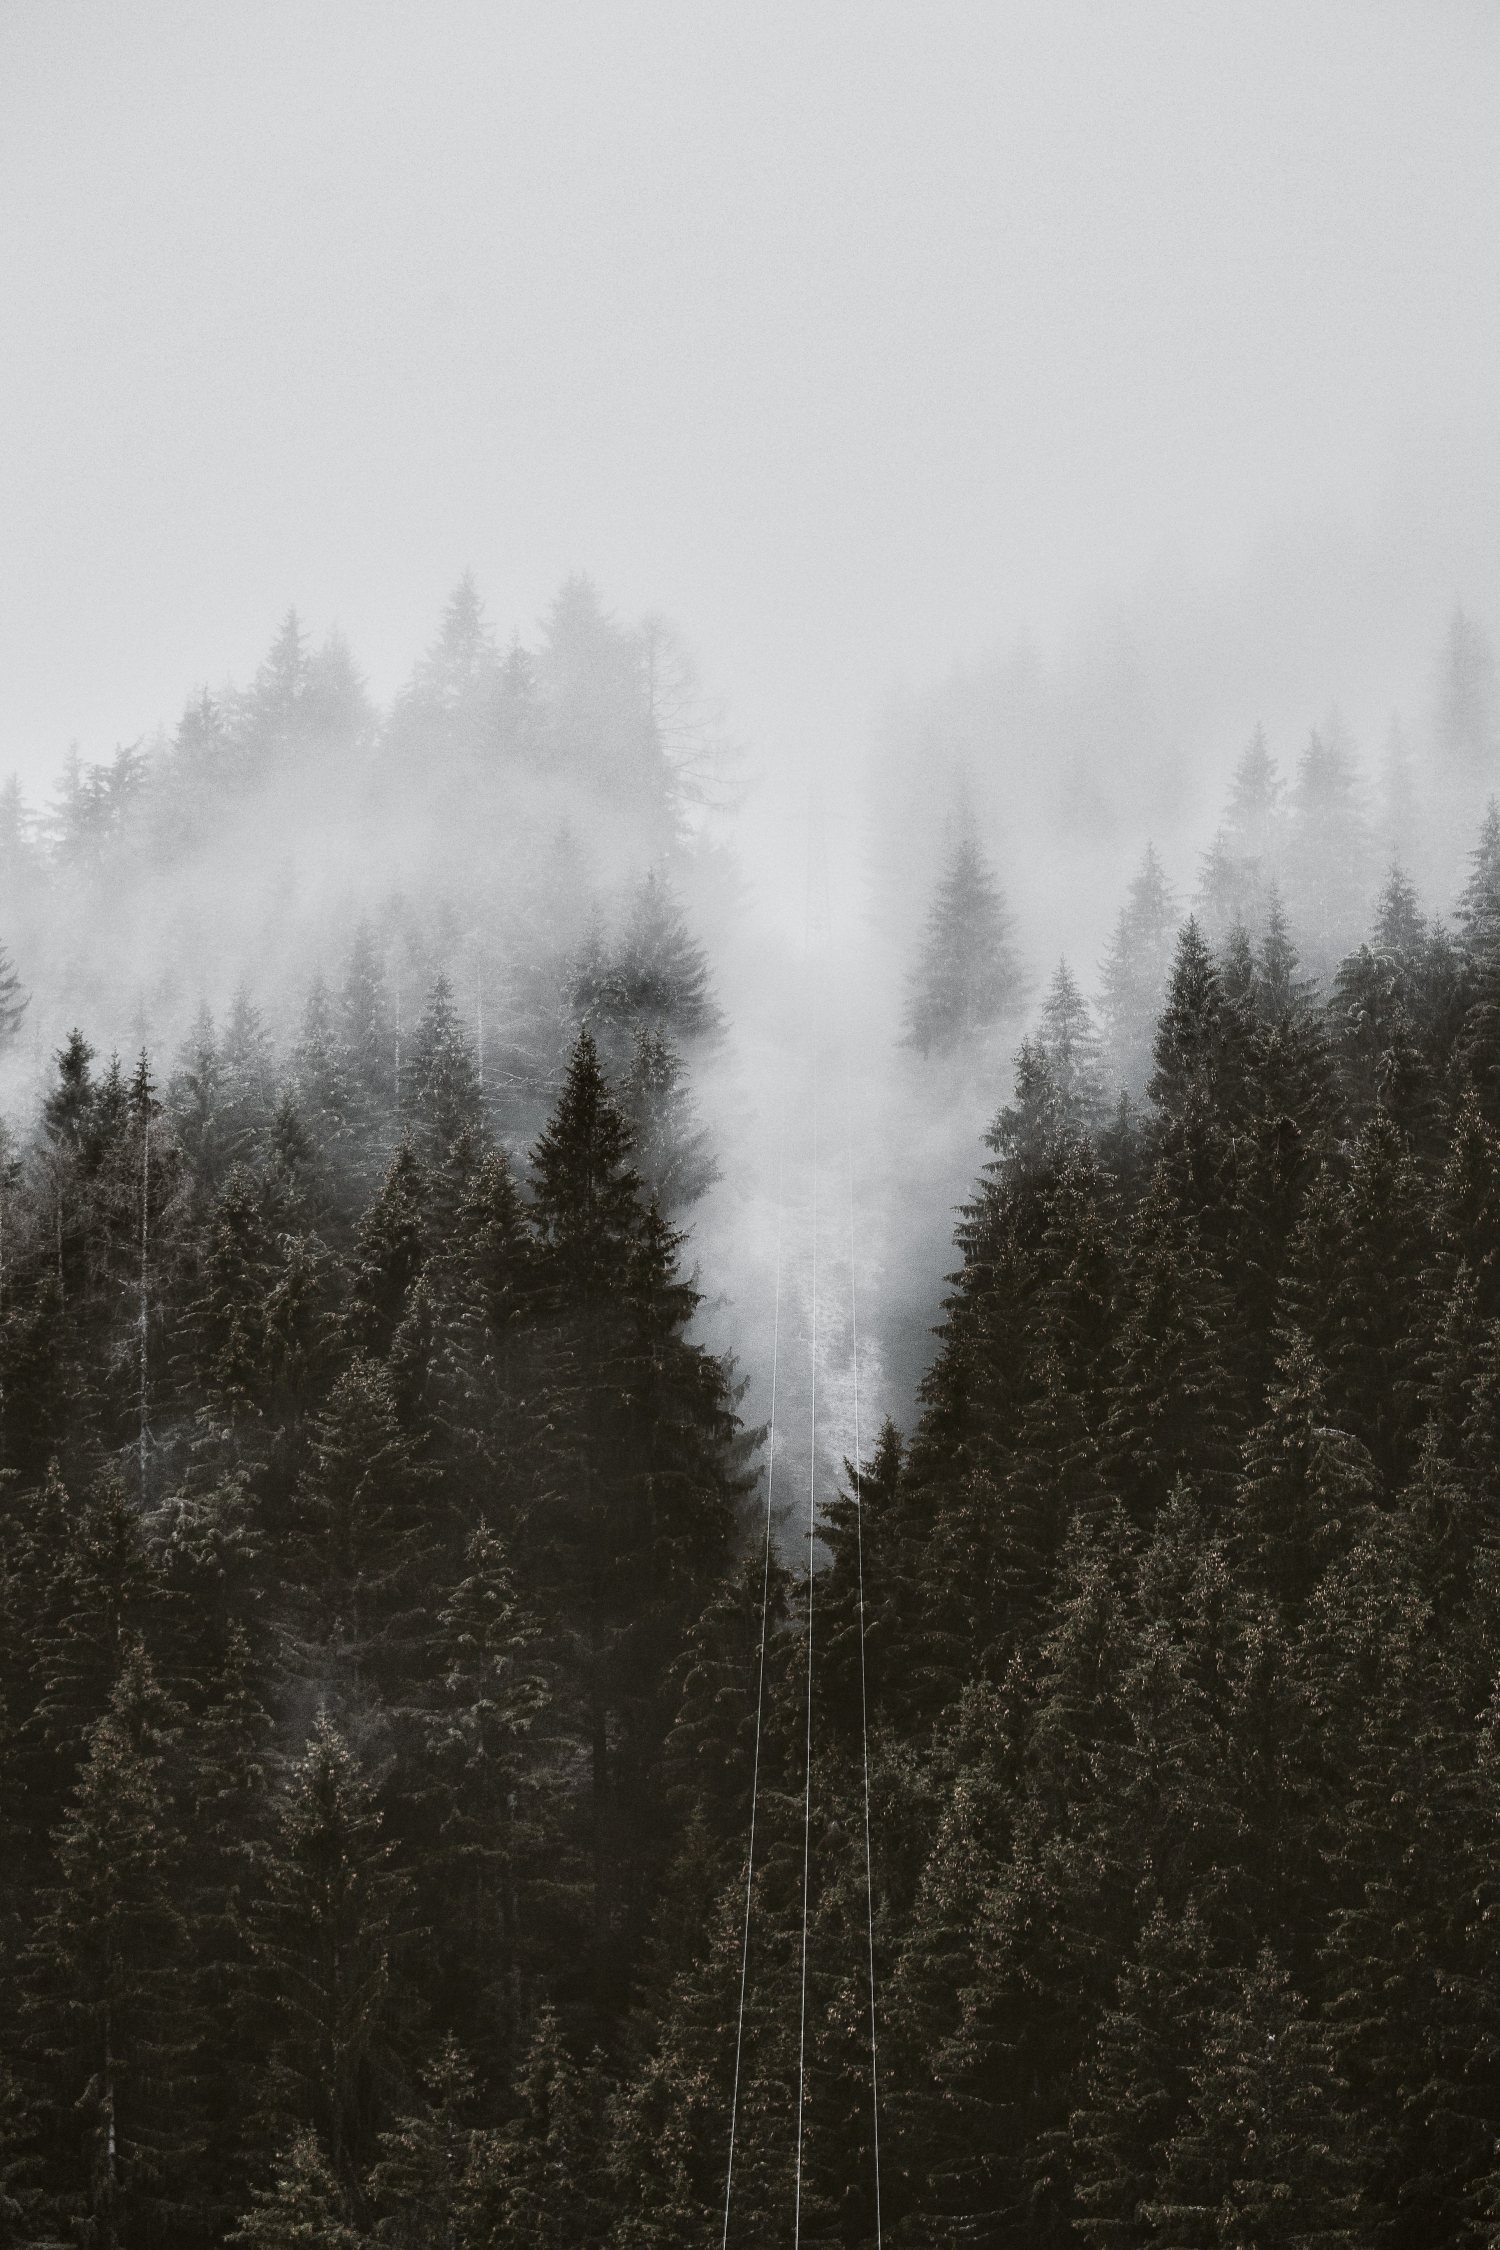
column 856, row 337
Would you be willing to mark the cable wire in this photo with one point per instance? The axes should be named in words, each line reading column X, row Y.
column 864, row 1705
column 812, row 1502
column 760, row 1691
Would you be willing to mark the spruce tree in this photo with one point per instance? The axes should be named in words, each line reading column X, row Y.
column 1329, row 871
column 67, row 1110
column 967, row 977
column 365, row 1055
column 1074, row 1052
column 1478, row 912
column 108, row 2004
column 1466, row 703
column 671, row 1149
column 326, row 1932
column 544, row 2179
column 1172, row 1406
column 660, row 976
column 359, row 1533
column 585, row 1194
column 1306, row 1488
column 1279, row 990
column 424, row 2182
column 13, row 1002
column 635, row 1469
column 486, row 1809
column 227, row 1324
column 1396, row 1806
column 389, row 1254
column 1134, row 975
column 1265, row 2154
column 196, row 1105
column 1241, row 865
column 1368, row 1322
column 1137, row 2081
column 247, row 1072
column 306, row 2207
column 442, row 1093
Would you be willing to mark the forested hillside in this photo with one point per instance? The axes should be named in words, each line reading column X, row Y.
column 399, row 1634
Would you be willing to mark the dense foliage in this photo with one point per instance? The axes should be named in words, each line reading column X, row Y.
column 358, row 1498
column 381, row 1600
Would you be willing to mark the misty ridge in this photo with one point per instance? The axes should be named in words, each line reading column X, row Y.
column 502, row 821
column 642, row 1469
column 530, row 839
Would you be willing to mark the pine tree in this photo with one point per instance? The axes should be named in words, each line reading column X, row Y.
column 196, row 1104
column 389, row 1254
column 544, row 2181
column 967, row 978
column 1400, row 931
column 586, row 1195
column 442, row 1093
column 874, row 1539
column 1138, row 2077
column 13, row 1001
column 18, row 852
column 68, row 1108
column 1384, row 1711
column 297, row 1179
column 486, row 1810
column 660, row 977
column 1466, row 1214
column 463, row 660
column 227, row 1324
column 1241, row 865
column 424, row 2177
column 108, row 2001
column 360, row 1531
column 635, row 1469
column 1329, row 873
column 1466, row 702
column 1402, row 827
column 319, row 1071
column 100, row 1597
column 1365, row 1315
column 366, row 1052
column 1279, row 990
column 672, row 1151
column 307, row 2207
column 1202, row 1064
column 1478, row 912
column 20, row 2196
column 325, row 1936
column 446, row 724
column 1134, row 975
column 1050, row 1918
column 269, row 718
column 247, row 1071
column 1264, row 2158
column 1172, row 1408
column 1074, row 1052
column 1306, row 1487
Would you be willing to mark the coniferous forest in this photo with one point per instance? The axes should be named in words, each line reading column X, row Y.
column 397, row 1635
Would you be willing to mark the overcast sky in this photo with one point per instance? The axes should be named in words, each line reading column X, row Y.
column 857, row 338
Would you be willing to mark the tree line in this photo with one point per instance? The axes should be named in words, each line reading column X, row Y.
column 382, row 1598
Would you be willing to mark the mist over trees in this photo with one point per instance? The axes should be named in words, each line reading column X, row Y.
column 385, row 1561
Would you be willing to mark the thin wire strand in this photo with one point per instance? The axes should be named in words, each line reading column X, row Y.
column 812, row 1496
column 760, row 1690
column 864, row 1706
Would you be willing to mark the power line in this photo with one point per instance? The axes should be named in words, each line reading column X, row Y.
column 760, row 1692
column 812, row 1502
column 864, row 1705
